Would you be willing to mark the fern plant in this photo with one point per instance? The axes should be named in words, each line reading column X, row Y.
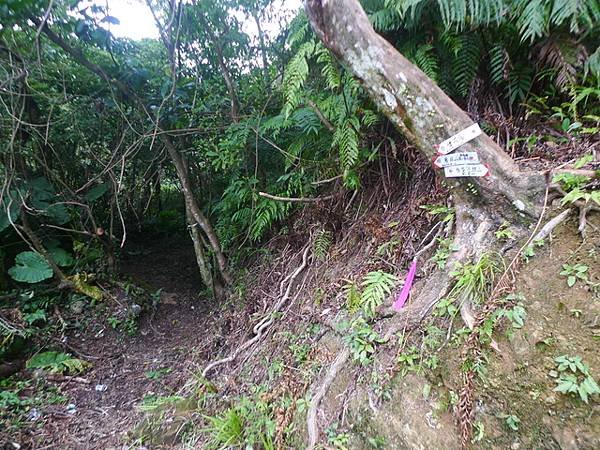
column 376, row 287
column 56, row 362
column 322, row 243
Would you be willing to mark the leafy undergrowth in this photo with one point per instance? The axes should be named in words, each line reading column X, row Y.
column 539, row 390
column 146, row 389
column 100, row 366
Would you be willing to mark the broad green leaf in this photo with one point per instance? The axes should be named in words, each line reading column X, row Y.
column 58, row 213
column 96, row 192
column 61, row 256
column 30, row 267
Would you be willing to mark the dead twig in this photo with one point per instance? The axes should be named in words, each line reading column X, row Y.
column 260, row 328
column 297, row 199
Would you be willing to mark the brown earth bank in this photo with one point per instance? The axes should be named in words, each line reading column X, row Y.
column 147, row 390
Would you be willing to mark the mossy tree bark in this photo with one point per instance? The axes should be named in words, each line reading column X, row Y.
column 427, row 116
column 418, row 107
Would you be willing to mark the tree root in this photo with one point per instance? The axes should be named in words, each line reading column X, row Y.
column 584, row 208
column 260, row 328
column 551, row 225
column 311, row 416
column 472, row 349
column 472, row 230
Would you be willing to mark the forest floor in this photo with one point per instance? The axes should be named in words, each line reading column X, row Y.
column 128, row 371
column 136, row 364
column 109, row 405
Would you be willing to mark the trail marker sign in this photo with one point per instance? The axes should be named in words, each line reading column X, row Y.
column 456, row 159
column 459, row 139
column 466, row 170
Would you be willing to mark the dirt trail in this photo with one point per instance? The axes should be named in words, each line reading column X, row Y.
column 155, row 361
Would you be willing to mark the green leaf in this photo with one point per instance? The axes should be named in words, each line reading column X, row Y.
column 573, row 196
column 30, row 267
column 571, row 281
column 38, row 314
column 60, row 256
column 56, row 362
column 585, row 159
column 377, row 285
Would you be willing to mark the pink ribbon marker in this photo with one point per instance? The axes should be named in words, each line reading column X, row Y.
column 403, row 296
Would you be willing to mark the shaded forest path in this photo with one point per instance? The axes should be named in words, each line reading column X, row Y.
column 156, row 361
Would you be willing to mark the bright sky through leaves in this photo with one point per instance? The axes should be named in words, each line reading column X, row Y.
column 137, row 21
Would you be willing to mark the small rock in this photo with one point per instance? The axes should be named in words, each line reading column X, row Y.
column 34, row 414
column 515, row 446
column 71, row 408
column 101, row 387
column 550, row 400
column 519, row 205
column 135, row 310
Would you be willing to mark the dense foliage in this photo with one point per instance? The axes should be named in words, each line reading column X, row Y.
column 99, row 133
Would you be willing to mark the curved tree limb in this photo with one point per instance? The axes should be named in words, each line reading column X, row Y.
column 175, row 155
column 297, row 199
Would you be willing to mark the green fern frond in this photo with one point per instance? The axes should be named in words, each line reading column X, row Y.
column 306, row 121
column 294, row 150
column 322, row 243
column 580, row 15
column 532, row 18
column 410, row 12
column 453, row 12
column 353, row 301
column 295, row 76
column 329, row 70
column 451, row 41
column 267, row 213
column 376, row 287
column 520, row 80
column 369, row 118
column 345, row 138
column 299, row 29
column 466, row 64
column 592, row 65
column 499, row 61
column 385, row 19
column 426, row 60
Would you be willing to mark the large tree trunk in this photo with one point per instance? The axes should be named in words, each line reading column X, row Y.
column 427, row 117
column 418, row 107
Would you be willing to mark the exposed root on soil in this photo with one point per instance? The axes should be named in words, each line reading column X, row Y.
column 472, row 228
column 551, row 225
column 472, row 350
column 262, row 326
column 311, row 416
column 584, row 207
